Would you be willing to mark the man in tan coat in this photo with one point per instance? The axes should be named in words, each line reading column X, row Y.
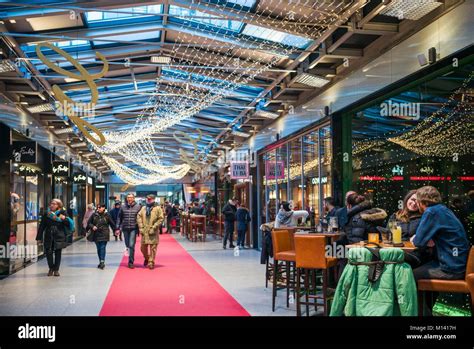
column 149, row 220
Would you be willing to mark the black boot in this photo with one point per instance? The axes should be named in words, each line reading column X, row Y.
column 101, row 265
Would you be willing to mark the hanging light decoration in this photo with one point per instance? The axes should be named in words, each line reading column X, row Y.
column 254, row 43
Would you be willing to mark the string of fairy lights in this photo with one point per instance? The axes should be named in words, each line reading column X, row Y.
column 181, row 94
column 445, row 132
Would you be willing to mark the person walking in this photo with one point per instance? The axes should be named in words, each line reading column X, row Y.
column 242, row 217
column 149, row 222
column 89, row 212
column 52, row 232
column 169, row 216
column 127, row 223
column 99, row 224
column 229, row 211
column 114, row 215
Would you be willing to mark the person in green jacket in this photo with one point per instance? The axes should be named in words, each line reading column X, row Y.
column 393, row 294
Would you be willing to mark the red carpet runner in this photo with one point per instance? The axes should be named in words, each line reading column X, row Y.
column 178, row 286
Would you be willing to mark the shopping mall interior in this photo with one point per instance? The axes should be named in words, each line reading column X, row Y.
column 212, row 157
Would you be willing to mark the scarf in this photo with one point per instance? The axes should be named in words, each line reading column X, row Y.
column 284, row 217
column 149, row 207
column 54, row 215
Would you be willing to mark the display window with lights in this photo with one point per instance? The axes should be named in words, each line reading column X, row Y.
column 297, row 170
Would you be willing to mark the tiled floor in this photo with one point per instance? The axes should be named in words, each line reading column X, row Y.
column 82, row 288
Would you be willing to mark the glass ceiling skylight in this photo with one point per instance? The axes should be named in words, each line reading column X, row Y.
column 204, row 18
column 123, row 13
column 30, row 47
column 276, row 36
column 127, row 38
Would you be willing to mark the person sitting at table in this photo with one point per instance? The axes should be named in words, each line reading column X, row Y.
column 441, row 228
column 329, row 208
column 287, row 218
column 362, row 219
column 408, row 218
column 341, row 214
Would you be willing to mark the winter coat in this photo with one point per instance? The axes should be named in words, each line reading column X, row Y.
column 267, row 245
column 289, row 218
column 149, row 226
column 438, row 223
column 242, row 217
column 342, row 218
column 52, row 232
column 393, row 294
column 102, row 222
column 229, row 212
column 362, row 219
column 408, row 228
column 114, row 214
column 87, row 215
column 127, row 217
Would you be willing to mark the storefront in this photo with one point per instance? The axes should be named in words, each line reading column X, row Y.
column 30, row 179
column 297, row 169
column 414, row 135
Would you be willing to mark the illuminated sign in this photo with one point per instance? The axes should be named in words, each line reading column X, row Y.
column 239, row 170
column 79, row 178
column 316, row 180
column 23, row 152
column 61, row 168
column 274, row 170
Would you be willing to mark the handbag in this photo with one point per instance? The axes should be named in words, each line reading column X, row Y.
column 90, row 235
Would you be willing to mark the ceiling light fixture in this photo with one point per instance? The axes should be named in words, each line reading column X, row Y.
column 413, row 9
column 40, row 108
column 6, row 66
column 240, row 133
column 311, row 80
column 266, row 114
column 160, row 59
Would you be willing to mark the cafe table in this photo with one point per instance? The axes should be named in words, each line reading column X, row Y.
column 330, row 237
column 407, row 245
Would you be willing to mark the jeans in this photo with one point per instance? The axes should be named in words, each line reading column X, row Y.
column 101, row 245
column 130, row 239
column 54, row 258
column 431, row 270
column 241, row 237
column 229, row 232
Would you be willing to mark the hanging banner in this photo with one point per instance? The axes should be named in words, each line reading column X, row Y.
column 239, row 169
column 25, row 170
column 274, row 170
column 79, row 178
column 61, row 168
column 24, row 152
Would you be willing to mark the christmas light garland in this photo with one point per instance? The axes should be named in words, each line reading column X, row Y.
column 248, row 55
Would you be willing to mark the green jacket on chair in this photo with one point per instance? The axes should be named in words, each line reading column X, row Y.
column 393, row 294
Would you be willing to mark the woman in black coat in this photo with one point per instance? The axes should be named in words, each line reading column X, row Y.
column 53, row 231
column 99, row 224
column 362, row 219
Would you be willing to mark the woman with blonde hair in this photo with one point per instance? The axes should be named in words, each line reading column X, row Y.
column 87, row 215
column 53, row 230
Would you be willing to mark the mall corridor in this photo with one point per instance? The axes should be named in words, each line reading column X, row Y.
column 190, row 279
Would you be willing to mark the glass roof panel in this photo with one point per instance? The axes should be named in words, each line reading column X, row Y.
column 276, row 36
column 124, row 13
column 127, row 38
column 65, row 45
column 204, row 18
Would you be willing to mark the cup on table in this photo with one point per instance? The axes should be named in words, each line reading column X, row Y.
column 397, row 234
column 374, row 238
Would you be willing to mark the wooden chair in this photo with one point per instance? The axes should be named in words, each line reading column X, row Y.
column 465, row 286
column 310, row 257
column 282, row 254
